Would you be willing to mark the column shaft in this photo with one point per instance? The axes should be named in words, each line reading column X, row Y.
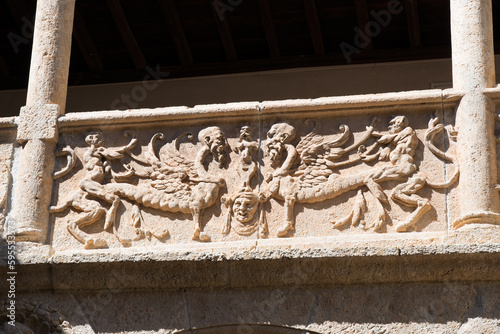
column 37, row 130
column 48, row 82
column 473, row 71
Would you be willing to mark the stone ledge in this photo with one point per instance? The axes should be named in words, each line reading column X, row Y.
column 430, row 99
column 431, row 257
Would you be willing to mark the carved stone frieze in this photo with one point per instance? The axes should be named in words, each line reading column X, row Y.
column 236, row 187
column 310, row 171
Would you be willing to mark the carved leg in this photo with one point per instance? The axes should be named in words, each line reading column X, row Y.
column 423, row 206
column 100, row 191
column 141, row 229
column 406, row 195
column 381, row 216
column 198, row 234
column 75, row 199
column 376, row 190
column 111, row 215
column 60, row 208
column 357, row 211
column 287, row 226
column 88, row 217
column 342, row 221
column 381, row 198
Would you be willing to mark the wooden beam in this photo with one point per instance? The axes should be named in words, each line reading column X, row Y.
column 225, row 35
column 314, row 26
column 86, row 44
column 363, row 18
column 269, row 28
column 413, row 23
column 23, row 16
column 250, row 65
column 126, row 33
column 170, row 13
column 253, row 65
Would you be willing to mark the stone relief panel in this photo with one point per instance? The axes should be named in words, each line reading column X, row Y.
column 246, row 180
column 152, row 186
column 359, row 180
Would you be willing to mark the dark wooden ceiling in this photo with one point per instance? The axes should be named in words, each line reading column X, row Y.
column 117, row 40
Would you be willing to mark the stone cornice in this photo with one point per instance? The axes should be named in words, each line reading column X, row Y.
column 294, row 263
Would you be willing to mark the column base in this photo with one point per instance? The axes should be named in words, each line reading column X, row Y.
column 479, row 217
column 29, row 234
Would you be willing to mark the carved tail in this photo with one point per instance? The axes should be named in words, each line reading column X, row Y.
column 431, row 132
column 70, row 153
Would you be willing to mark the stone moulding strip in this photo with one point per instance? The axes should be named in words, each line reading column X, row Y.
column 8, row 123
column 435, row 98
column 493, row 93
column 430, row 98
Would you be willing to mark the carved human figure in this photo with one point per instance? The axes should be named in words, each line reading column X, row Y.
column 400, row 143
column 405, row 193
column 246, row 147
column 398, row 147
column 96, row 166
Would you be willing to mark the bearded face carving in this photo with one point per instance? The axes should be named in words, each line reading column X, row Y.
column 279, row 135
column 216, row 142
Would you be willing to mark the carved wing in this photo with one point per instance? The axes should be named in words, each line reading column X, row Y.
column 176, row 160
column 314, row 150
column 315, row 157
column 172, row 172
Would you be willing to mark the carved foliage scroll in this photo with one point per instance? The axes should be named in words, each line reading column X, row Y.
column 229, row 187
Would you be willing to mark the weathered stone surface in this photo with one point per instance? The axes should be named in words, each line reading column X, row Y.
column 38, row 122
column 450, row 307
column 7, row 139
column 233, row 183
column 358, row 214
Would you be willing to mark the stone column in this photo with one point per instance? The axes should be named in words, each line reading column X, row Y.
column 37, row 130
column 473, row 72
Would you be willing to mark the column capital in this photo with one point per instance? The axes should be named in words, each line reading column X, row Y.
column 38, row 121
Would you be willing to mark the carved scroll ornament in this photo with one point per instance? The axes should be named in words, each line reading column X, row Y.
column 307, row 172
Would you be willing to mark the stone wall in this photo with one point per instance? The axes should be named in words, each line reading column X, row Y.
column 374, row 213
